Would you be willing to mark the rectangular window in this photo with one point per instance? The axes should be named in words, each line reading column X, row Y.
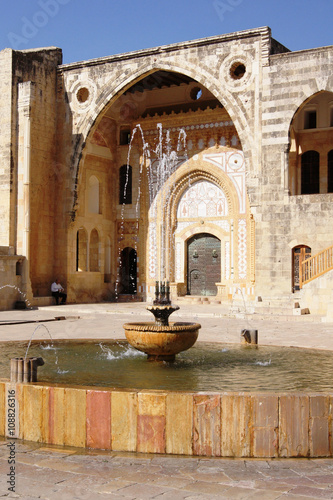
column 124, row 137
column 310, row 119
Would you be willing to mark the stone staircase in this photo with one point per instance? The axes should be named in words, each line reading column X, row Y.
column 275, row 308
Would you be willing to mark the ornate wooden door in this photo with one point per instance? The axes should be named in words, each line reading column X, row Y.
column 203, row 264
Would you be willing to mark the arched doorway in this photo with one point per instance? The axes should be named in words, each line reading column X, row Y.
column 128, row 277
column 203, row 264
column 300, row 253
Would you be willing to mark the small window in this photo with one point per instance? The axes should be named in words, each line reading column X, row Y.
column 237, row 70
column 196, row 93
column 331, row 117
column 310, row 173
column 310, row 119
column 124, row 137
column 19, row 268
column 82, row 94
column 125, row 185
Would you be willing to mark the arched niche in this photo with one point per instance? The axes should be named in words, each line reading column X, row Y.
column 93, row 195
column 81, row 250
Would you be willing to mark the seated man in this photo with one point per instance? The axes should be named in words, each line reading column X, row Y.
column 58, row 291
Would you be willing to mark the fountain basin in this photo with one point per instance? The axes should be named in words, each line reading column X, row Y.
column 161, row 343
column 217, row 422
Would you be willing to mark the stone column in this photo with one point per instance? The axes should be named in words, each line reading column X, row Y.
column 25, row 98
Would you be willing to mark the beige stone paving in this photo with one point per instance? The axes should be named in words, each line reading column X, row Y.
column 106, row 321
column 54, row 473
column 51, row 475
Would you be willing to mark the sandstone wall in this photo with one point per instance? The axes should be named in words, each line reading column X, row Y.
column 39, row 68
column 282, row 220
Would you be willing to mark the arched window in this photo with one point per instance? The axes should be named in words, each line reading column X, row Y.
column 330, row 171
column 94, row 252
column 93, row 195
column 306, row 153
column 310, row 172
column 125, row 185
column 81, row 250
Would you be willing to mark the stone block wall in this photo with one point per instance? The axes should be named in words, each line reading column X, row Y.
column 284, row 221
column 43, row 195
column 11, row 283
column 317, row 296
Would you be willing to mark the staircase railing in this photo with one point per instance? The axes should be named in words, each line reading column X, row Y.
column 316, row 266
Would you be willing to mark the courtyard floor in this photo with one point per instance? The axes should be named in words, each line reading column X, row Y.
column 47, row 472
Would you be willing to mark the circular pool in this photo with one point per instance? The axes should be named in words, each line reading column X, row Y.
column 218, row 400
column 204, row 367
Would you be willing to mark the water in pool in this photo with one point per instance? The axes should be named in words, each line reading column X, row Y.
column 204, row 367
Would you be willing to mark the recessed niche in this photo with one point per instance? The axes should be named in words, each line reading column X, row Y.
column 82, row 94
column 237, row 70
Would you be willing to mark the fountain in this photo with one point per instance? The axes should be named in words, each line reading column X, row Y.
column 203, row 415
column 284, row 416
column 161, row 341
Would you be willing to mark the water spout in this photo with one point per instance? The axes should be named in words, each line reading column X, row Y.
column 33, row 333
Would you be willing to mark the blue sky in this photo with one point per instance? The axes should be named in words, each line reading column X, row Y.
column 86, row 29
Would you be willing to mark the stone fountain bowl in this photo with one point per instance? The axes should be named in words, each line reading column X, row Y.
column 162, row 343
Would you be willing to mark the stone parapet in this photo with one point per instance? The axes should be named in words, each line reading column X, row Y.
column 221, row 424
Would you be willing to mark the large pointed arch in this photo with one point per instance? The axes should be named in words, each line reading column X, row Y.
column 112, row 93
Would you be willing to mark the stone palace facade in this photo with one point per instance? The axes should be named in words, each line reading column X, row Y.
column 206, row 163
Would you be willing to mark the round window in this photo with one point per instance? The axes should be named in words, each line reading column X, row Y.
column 237, row 70
column 196, row 93
column 82, row 94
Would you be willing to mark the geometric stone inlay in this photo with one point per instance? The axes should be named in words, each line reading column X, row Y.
column 202, row 199
column 178, row 261
column 242, row 248
column 227, row 260
column 152, row 250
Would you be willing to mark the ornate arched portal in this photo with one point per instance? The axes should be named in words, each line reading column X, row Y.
column 207, row 196
column 167, row 152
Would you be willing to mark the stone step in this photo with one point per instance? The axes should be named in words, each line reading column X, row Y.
column 43, row 301
column 196, row 299
column 279, row 309
column 129, row 298
column 307, row 318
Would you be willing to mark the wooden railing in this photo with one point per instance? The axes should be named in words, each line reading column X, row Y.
column 316, row 266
